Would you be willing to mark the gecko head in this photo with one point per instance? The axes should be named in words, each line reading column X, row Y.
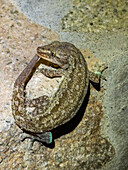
column 57, row 53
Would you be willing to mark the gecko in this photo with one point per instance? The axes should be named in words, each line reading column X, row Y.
column 66, row 61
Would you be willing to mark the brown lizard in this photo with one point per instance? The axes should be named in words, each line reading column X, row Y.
column 66, row 61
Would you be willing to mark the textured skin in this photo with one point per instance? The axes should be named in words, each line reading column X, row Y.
column 69, row 96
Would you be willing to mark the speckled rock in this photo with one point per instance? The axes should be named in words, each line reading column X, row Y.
column 115, row 122
column 77, row 144
column 96, row 16
column 96, row 138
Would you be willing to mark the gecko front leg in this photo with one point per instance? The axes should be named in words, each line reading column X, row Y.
column 51, row 72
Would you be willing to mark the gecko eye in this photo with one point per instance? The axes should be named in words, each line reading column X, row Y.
column 53, row 54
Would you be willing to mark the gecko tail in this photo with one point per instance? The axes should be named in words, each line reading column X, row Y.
column 45, row 137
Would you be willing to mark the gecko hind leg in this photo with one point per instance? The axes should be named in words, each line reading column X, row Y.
column 95, row 76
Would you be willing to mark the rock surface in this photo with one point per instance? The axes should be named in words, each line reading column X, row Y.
column 96, row 139
column 115, row 122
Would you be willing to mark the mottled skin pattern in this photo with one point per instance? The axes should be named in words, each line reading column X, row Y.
column 66, row 61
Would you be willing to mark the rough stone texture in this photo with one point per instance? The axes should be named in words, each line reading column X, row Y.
column 77, row 15
column 96, row 16
column 115, row 123
column 96, row 139
column 47, row 12
column 36, row 86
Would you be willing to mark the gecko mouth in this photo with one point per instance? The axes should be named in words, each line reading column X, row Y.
column 52, row 58
column 48, row 62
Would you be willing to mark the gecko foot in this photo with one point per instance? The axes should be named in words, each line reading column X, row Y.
column 97, row 75
column 45, row 137
column 94, row 76
column 41, row 137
